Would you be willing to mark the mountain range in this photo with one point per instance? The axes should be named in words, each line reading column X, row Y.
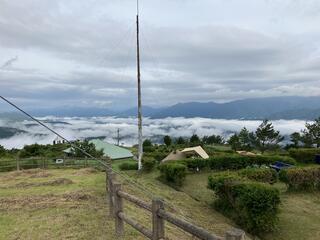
column 306, row 108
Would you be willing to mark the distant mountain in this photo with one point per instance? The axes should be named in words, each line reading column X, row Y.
column 133, row 112
column 7, row 132
column 305, row 114
column 257, row 108
column 307, row 108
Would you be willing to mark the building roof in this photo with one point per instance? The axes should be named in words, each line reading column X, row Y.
column 199, row 150
column 109, row 150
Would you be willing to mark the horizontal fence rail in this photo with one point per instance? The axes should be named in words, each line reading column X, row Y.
column 159, row 215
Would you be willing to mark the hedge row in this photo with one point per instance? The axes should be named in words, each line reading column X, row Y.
column 234, row 162
column 254, row 206
column 266, row 175
column 173, row 173
column 301, row 179
column 304, row 155
column 128, row 166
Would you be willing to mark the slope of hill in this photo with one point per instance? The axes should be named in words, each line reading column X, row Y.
column 289, row 107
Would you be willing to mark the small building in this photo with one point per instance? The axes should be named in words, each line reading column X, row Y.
column 192, row 152
column 58, row 140
column 109, row 150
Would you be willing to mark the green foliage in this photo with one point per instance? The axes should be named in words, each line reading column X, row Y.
column 33, row 150
column 148, row 164
column 301, row 179
column 267, row 175
column 313, row 132
column 295, row 138
column 195, row 140
column 147, row 146
column 234, row 142
column 128, row 166
column 167, row 140
column 147, row 143
column 267, row 137
column 86, row 146
column 254, row 206
column 173, row 173
column 304, row 155
column 180, row 141
column 2, row 151
column 234, row 161
column 213, row 139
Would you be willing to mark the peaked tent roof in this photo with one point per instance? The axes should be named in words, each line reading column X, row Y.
column 175, row 155
column 199, row 150
column 110, row 150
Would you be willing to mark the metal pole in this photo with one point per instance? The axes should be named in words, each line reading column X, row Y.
column 140, row 151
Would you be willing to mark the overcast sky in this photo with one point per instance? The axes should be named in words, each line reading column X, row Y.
column 82, row 52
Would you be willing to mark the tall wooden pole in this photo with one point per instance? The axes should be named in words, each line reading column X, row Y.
column 140, row 151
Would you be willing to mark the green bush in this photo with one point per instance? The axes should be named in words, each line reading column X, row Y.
column 304, row 155
column 128, row 166
column 254, row 206
column 148, row 164
column 301, row 179
column 267, row 175
column 234, row 161
column 174, row 173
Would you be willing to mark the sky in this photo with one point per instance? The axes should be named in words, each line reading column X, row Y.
column 82, row 52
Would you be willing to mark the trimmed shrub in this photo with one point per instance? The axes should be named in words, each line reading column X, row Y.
column 174, row 173
column 234, row 161
column 267, row 175
column 301, row 179
column 254, row 206
column 128, row 166
column 148, row 164
column 304, row 155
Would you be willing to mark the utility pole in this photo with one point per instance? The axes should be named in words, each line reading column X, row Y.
column 140, row 150
column 118, row 137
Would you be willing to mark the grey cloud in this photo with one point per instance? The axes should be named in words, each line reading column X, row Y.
column 84, row 51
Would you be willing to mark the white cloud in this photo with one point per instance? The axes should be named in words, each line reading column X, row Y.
column 79, row 128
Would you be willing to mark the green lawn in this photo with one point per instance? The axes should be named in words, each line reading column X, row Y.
column 299, row 212
column 71, row 204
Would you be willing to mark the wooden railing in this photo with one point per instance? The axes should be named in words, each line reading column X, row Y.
column 159, row 216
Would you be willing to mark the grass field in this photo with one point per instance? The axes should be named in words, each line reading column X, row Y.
column 71, row 204
column 299, row 212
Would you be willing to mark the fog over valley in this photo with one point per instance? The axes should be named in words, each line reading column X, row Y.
column 16, row 134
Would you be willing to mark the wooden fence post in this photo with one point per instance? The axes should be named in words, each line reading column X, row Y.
column 157, row 221
column 111, row 179
column 118, row 208
column 235, row 234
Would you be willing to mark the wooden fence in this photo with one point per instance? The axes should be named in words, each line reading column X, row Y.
column 159, row 215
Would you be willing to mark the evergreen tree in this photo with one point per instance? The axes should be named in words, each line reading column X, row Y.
column 195, row 140
column 246, row 139
column 2, row 151
column 312, row 132
column 295, row 138
column 167, row 140
column 180, row 141
column 267, row 137
column 234, row 142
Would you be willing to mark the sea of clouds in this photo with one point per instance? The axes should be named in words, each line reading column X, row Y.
column 74, row 128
